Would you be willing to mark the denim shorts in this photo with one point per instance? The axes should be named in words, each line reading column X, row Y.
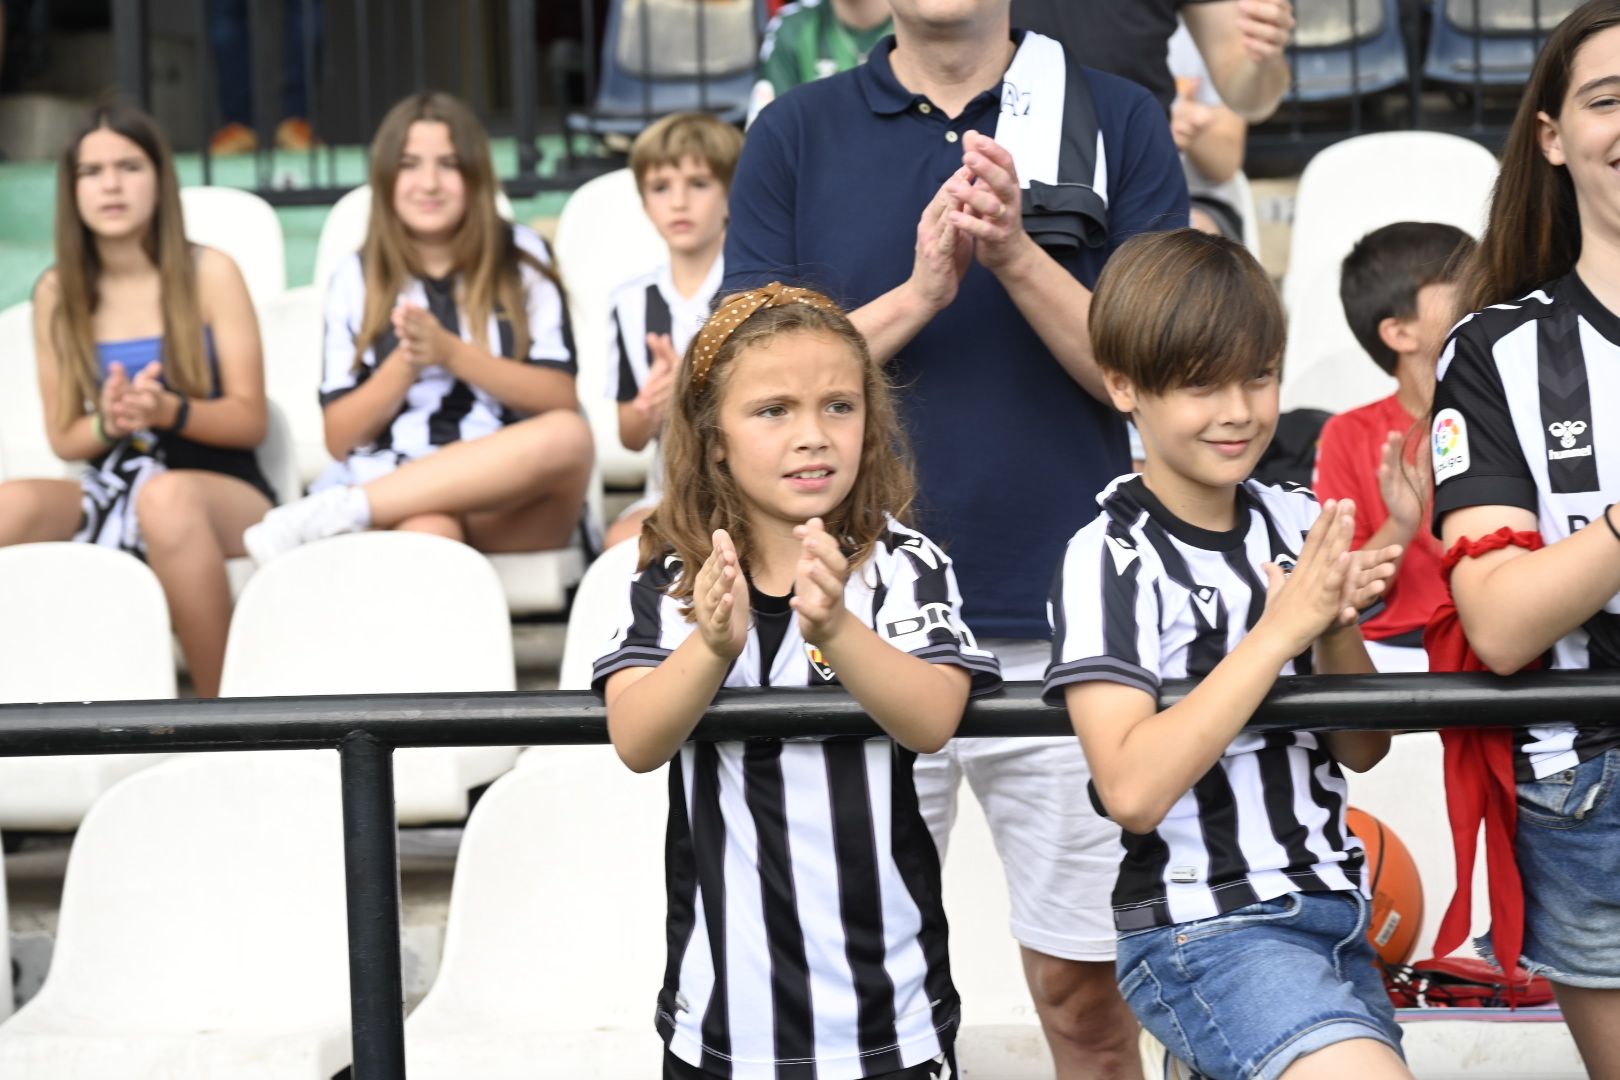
column 1568, row 845
column 1244, row 995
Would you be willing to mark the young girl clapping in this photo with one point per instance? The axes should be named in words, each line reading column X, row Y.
column 805, row 924
column 449, row 380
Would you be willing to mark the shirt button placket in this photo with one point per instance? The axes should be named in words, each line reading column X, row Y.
column 950, row 136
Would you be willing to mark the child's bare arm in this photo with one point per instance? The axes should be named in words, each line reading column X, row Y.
column 1343, row 652
column 652, row 711
column 1142, row 759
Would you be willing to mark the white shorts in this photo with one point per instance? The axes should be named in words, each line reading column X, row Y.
column 1060, row 856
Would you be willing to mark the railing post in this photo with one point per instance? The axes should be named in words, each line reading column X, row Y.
column 371, row 871
column 129, row 50
column 521, row 30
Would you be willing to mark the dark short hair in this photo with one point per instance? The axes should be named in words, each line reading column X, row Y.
column 1185, row 308
column 1382, row 274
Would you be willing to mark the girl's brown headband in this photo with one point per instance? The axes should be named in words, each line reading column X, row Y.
column 724, row 322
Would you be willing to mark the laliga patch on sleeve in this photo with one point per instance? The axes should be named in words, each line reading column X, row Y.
column 1450, row 445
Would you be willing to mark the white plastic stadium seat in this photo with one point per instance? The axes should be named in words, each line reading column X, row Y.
column 554, row 950
column 290, row 325
column 80, row 623
column 344, row 230
column 590, row 620
column 604, row 239
column 381, row 612
column 1348, row 190
column 202, row 930
column 246, row 228
column 23, row 442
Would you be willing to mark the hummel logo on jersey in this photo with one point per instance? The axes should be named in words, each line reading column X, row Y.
column 916, row 546
column 1567, row 432
column 819, row 662
column 932, row 615
column 1123, row 551
column 1208, row 603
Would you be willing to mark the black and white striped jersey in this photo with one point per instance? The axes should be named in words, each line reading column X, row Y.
column 1142, row 596
column 1515, row 424
column 806, row 934
column 650, row 304
column 441, row 409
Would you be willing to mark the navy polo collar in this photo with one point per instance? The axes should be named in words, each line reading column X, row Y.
column 884, row 94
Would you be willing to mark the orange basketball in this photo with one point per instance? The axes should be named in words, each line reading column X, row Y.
column 1397, row 891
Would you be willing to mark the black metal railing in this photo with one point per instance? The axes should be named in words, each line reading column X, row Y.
column 366, row 729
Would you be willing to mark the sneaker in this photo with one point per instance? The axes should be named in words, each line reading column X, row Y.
column 294, row 133
column 332, row 512
column 233, row 138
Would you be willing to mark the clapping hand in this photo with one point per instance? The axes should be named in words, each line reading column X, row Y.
column 653, row 399
column 943, row 252
column 422, row 340
column 720, row 600
column 113, row 389
column 1305, row 602
column 141, row 406
column 818, row 586
column 1188, row 116
column 1402, row 484
column 991, row 201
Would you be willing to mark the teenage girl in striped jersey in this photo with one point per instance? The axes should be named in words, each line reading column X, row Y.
column 449, row 377
column 1526, row 450
column 149, row 365
column 805, row 927
column 1239, row 904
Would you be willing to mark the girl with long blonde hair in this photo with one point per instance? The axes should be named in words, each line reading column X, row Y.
column 777, row 558
column 449, row 372
column 150, row 370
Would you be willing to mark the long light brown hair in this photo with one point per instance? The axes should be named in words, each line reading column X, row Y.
column 486, row 255
column 1533, row 234
column 701, row 495
column 78, row 270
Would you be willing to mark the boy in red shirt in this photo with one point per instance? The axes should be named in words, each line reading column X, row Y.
column 1399, row 299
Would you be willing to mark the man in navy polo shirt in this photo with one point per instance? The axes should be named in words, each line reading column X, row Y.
column 896, row 188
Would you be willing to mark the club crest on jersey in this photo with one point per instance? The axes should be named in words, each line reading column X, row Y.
column 819, row 662
column 1284, row 562
column 1568, row 433
column 1449, row 445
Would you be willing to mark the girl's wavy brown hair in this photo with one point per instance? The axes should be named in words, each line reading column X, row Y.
column 486, row 254
column 700, row 494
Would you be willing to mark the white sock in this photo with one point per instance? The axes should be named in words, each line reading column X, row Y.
column 358, row 507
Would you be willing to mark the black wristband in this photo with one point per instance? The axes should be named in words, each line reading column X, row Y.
column 1607, row 520
column 181, row 416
